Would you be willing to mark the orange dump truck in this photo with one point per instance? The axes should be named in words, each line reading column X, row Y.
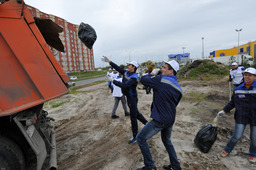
column 29, row 76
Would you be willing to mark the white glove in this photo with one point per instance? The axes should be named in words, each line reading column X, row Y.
column 221, row 113
column 155, row 71
column 110, row 79
column 105, row 59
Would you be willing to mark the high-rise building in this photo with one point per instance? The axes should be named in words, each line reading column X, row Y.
column 77, row 56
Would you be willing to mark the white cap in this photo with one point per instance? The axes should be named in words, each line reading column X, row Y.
column 234, row 64
column 109, row 69
column 114, row 69
column 174, row 64
column 250, row 70
column 134, row 63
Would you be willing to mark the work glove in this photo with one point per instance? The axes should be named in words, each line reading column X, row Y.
column 221, row 113
column 155, row 71
column 110, row 79
column 105, row 59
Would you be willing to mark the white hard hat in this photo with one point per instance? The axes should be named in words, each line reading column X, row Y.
column 134, row 63
column 234, row 64
column 174, row 64
column 250, row 70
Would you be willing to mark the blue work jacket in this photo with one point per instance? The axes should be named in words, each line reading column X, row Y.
column 166, row 96
column 244, row 101
column 129, row 83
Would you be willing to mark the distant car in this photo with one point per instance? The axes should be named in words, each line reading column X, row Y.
column 73, row 78
column 71, row 84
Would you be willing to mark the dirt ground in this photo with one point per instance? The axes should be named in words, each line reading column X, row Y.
column 87, row 137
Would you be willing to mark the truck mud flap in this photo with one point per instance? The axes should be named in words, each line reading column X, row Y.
column 34, row 139
column 53, row 154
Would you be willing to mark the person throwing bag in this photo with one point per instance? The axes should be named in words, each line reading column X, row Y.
column 244, row 100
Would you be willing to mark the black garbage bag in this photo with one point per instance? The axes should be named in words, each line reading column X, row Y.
column 87, row 35
column 206, row 137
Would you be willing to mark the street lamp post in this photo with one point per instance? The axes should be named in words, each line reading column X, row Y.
column 238, row 40
column 183, row 50
column 183, row 54
column 202, row 47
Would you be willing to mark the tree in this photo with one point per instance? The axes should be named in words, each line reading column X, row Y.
column 231, row 59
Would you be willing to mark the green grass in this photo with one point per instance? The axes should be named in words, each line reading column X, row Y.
column 88, row 74
column 194, row 97
column 58, row 104
column 193, row 111
column 74, row 90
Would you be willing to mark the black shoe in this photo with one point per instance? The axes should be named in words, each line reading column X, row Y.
column 127, row 114
column 133, row 140
column 167, row 167
column 145, row 168
column 170, row 167
column 114, row 116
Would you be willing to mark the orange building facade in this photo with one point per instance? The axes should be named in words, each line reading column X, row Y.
column 77, row 56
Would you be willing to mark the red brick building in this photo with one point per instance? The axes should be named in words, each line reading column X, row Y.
column 77, row 56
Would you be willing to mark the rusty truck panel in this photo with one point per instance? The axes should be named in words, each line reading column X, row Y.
column 30, row 74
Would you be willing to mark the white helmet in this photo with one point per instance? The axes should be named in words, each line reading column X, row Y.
column 134, row 63
column 250, row 70
column 234, row 64
column 174, row 64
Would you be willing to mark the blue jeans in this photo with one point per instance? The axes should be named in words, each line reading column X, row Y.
column 238, row 133
column 149, row 130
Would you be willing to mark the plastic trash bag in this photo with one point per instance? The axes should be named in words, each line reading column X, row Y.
column 206, row 137
column 87, row 35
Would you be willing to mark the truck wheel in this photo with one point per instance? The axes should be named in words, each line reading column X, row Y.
column 11, row 156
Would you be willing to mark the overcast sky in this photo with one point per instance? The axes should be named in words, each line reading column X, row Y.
column 151, row 29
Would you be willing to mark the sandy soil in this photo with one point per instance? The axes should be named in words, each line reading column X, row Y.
column 87, row 137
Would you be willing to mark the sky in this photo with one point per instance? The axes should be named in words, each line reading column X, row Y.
column 142, row 30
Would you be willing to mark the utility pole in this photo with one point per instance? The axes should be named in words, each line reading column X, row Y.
column 238, row 30
column 183, row 50
column 202, row 47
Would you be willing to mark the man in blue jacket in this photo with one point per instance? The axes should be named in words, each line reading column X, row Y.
column 244, row 101
column 166, row 96
column 128, row 86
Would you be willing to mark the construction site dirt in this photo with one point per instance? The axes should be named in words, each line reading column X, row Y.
column 88, row 139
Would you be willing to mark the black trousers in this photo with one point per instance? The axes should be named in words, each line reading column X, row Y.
column 135, row 114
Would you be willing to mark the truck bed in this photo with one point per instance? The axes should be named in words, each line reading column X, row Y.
column 29, row 73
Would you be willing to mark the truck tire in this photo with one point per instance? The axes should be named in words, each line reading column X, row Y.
column 11, row 156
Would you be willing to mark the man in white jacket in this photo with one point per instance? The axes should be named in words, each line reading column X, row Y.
column 117, row 93
column 236, row 74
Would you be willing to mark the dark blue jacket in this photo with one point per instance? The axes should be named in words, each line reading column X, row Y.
column 166, row 96
column 129, row 83
column 244, row 100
